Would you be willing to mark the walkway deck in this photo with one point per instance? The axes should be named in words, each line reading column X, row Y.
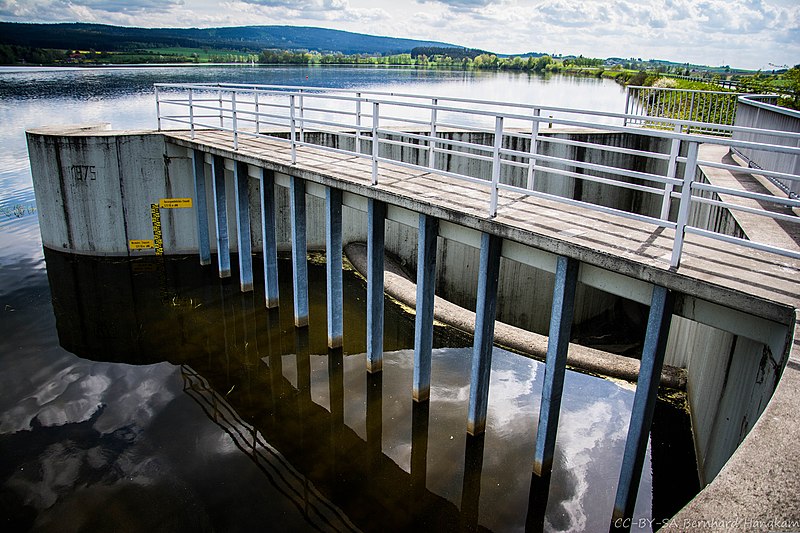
column 765, row 284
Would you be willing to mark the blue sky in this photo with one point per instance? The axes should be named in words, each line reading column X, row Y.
column 741, row 33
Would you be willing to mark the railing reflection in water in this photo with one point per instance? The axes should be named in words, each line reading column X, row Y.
column 351, row 448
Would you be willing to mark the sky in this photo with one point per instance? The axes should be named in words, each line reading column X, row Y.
column 754, row 34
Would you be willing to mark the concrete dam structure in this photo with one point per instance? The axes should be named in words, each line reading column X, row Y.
column 547, row 224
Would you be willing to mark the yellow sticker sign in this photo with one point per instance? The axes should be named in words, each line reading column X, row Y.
column 174, row 203
column 142, row 244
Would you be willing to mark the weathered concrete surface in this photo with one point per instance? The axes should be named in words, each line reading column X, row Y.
column 95, row 186
column 399, row 286
column 634, row 249
column 758, row 488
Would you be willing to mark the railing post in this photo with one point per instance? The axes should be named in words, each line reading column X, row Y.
column 671, row 170
column 221, row 118
column 301, row 113
column 534, row 134
column 686, row 203
column 158, row 107
column 234, row 122
column 375, row 118
column 292, row 129
column 358, row 123
column 191, row 113
column 627, row 105
column 498, row 142
column 432, row 142
column 258, row 118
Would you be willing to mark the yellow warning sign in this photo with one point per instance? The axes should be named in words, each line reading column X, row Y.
column 142, row 244
column 174, row 203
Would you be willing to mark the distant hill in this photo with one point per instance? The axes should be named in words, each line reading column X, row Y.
column 80, row 36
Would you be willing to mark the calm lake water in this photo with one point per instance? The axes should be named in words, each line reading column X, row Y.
column 151, row 395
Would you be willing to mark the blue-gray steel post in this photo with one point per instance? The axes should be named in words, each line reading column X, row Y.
column 484, row 332
column 297, row 190
column 243, row 227
column 221, row 216
column 376, row 222
column 556, row 364
column 201, row 207
column 333, row 264
column 423, row 328
column 269, row 242
column 644, row 401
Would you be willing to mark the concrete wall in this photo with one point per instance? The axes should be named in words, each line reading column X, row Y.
column 758, row 112
column 730, row 380
column 94, row 192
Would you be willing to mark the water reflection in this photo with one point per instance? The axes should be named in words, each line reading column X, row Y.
column 316, row 426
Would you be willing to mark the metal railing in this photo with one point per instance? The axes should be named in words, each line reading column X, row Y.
column 516, row 140
column 760, row 111
column 711, row 108
column 320, row 512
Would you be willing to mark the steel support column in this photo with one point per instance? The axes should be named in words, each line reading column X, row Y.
column 426, row 283
column 269, row 242
column 376, row 223
column 484, row 332
column 243, row 226
column 221, row 217
column 333, row 264
column 556, row 364
column 297, row 191
column 201, row 207
column 644, row 401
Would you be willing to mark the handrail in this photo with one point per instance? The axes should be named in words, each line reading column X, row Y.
column 652, row 105
column 421, row 123
column 321, row 513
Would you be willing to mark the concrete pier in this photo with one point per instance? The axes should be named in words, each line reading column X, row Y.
column 734, row 311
